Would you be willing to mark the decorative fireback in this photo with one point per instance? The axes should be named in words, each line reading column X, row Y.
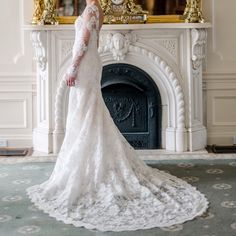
column 134, row 102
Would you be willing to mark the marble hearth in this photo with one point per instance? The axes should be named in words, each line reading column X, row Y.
column 171, row 54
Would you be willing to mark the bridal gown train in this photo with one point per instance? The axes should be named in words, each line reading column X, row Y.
column 98, row 181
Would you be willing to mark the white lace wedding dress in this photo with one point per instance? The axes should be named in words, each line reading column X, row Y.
column 98, row 180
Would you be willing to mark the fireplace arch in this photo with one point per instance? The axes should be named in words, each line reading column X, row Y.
column 168, row 82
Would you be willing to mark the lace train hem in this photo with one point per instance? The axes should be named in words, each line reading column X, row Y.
column 51, row 209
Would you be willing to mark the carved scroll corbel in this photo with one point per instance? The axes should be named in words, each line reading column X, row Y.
column 38, row 40
column 199, row 37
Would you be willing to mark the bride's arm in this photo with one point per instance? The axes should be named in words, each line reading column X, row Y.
column 89, row 23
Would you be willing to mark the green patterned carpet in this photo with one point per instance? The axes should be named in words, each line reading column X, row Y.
column 215, row 178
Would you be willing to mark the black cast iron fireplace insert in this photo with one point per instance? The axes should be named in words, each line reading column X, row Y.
column 134, row 102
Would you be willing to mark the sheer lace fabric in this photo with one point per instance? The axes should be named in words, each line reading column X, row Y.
column 83, row 29
column 98, row 180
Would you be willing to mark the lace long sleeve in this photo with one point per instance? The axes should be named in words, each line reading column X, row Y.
column 89, row 23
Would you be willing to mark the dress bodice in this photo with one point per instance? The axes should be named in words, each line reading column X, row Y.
column 88, row 21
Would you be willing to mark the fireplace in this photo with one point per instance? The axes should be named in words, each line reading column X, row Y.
column 152, row 83
column 134, row 102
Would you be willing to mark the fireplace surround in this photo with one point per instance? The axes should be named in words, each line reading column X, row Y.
column 170, row 54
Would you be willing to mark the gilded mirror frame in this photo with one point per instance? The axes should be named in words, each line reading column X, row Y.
column 192, row 13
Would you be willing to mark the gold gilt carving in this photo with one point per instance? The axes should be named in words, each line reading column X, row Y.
column 193, row 13
column 49, row 13
column 122, row 11
column 38, row 11
column 118, row 11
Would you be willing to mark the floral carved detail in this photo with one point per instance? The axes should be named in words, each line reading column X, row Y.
column 170, row 45
column 39, row 41
column 117, row 43
column 199, row 37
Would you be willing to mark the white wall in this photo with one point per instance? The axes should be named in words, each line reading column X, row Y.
column 220, row 75
column 17, row 73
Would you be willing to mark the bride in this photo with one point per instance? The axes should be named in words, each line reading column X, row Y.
column 98, row 181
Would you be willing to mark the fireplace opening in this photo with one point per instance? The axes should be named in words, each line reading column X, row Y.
column 134, row 102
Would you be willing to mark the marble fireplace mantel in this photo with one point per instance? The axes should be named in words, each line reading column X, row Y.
column 171, row 53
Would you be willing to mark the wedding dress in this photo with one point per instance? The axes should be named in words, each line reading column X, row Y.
column 98, row 181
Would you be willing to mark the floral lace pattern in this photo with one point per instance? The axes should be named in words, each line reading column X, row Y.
column 84, row 27
column 99, row 181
